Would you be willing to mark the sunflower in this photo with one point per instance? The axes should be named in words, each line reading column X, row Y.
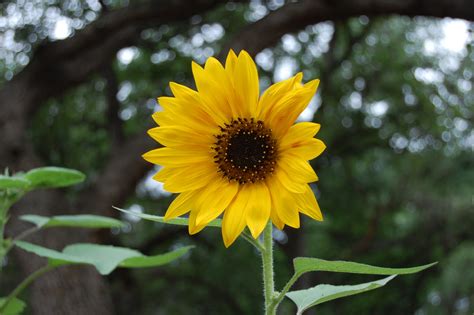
column 229, row 151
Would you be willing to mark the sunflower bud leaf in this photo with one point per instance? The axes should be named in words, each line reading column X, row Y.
column 7, row 182
column 78, row 221
column 53, row 177
column 14, row 307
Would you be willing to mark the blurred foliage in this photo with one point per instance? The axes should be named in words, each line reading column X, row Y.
column 396, row 107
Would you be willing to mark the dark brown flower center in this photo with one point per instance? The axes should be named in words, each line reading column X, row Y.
column 245, row 151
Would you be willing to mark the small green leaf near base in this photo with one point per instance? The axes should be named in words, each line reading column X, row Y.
column 7, row 182
column 79, row 221
column 15, row 307
column 53, row 177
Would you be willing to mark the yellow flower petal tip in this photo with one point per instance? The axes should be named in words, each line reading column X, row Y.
column 229, row 152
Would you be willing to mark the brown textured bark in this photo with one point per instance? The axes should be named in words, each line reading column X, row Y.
column 296, row 15
column 59, row 66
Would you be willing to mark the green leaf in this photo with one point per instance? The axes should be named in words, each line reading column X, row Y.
column 7, row 182
column 303, row 265
column 104, row 258
column 305, row 299
column 79, row 221
column 15, row 306
column 55, row 258
column 50, row 177
column 154, row 261
column 177, row 221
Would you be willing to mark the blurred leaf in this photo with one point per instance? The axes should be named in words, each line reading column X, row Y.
column 303, row 265
column 49, row 177
column 177, row 221
column 305, row 299
column 104, row 258
column 14, row 307
column 55, row 258
column 13, row 182
column 154, row 261
column 80, row 221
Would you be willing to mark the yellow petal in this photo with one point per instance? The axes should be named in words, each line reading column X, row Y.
column 285, row 112
column 214, row 199
column 188, row 102
column 275, row 93
column 188, row 99
column 276, row 219
column 307, row 204
column 224, row 89
column 193, row 228
column 246, row 84
column 298, row 133
column 179, row 136
column 283, row 203
column 190, row 177
column 230, row 63
column 162, row 118
column 163, row 174
column 289, row 182
column 184, row 93
column 259, row 209
column 173, row 157
column 195, row 119
column 213, row 100
column 233, row 222
column 307, row 150
column 297, row 169
column 180, row 205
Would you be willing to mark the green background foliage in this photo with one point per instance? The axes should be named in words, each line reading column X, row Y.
column 396, row 108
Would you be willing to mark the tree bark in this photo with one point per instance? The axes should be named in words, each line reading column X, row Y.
column 296, row 15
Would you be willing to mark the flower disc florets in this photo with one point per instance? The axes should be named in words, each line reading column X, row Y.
column 245, row 151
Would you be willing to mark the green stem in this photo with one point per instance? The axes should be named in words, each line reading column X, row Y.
column 285, row 290
column 6, row 201
column 3, row 214
column 3, row 221
column 26, row 233
column 21, row 236
column 24, row 284
column 267, row 261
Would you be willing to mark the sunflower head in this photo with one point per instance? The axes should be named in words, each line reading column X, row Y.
column 229, row 151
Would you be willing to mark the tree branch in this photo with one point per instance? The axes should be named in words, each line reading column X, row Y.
column 295, row 16
column 58, row 66
column 120, row 176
